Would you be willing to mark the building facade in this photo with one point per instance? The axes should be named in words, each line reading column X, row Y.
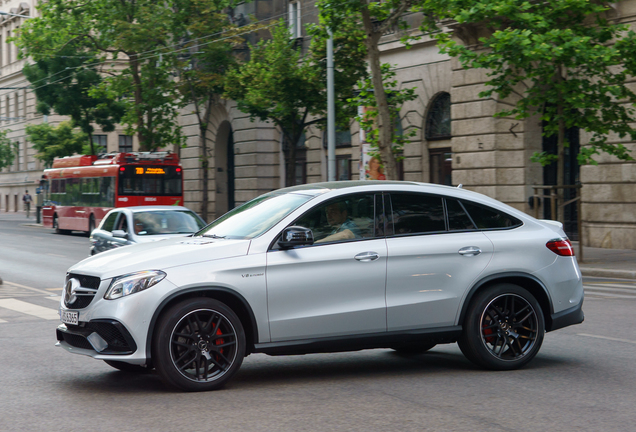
column 457, row 140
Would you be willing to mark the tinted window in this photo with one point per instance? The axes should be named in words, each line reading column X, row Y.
column 457, row 217
column 166, row 222
column 109, row 222
column 417, row 213
column 150, row 180
column 488, row 218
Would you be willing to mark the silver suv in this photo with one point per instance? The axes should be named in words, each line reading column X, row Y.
column 328, row 267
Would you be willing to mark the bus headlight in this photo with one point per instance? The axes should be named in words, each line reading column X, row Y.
column 131, row 283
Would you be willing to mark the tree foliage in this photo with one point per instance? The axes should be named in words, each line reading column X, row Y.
column 133, row 42
column 280, row 85
column 375, row 18
column 206, row 52
column 62, row 84
column 8, row 150
column 555, row 58
column 55, row 141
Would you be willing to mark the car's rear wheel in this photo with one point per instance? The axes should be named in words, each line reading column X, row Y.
column 413, row 349
column 127, row 367
column 503, row 329
column 199, row 345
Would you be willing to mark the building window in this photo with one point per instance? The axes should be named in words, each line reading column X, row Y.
column 301, row 167
column 438, row 120
column 125, row 143
column 295, row 28
column 16, row 106
column 343, row 167
column 343, row 138
column 441, row 166
column 7, row 109
column 100, row 143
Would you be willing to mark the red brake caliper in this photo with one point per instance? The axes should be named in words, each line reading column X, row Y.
column 219, row 341
column 487, row 332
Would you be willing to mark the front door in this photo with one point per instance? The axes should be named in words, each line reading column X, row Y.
column 336, row 286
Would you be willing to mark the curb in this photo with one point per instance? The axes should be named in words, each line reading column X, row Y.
column 608, row 273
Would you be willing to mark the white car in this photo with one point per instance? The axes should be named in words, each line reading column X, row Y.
column 140, row 224
column 328, row 267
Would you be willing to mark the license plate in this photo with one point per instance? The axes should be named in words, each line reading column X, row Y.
column 69, row 317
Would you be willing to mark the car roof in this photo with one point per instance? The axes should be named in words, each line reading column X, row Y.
column 137, row 209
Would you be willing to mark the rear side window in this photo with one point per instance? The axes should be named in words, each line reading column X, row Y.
column 458, row 219
column 489, row 218
column 417, row 214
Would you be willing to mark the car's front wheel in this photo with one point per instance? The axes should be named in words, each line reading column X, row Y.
column 199, row 344
column 503, row 328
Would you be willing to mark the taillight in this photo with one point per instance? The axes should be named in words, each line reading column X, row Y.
column 561, row 247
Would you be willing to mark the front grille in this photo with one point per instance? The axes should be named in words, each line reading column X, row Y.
column 74, row 340
column 85, row 294
column 116, row 336
column 91, row 282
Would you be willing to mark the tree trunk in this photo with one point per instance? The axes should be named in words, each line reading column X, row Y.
column 384, row 123
column 205, row 159
column 134, row 67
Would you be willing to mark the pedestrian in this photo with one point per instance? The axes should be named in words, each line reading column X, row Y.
column 27, row 202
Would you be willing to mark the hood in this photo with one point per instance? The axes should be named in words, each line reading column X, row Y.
column 159, row 255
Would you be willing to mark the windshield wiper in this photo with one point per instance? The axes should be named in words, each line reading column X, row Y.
column 213, row 236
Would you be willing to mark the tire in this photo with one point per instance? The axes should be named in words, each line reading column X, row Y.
column 413, row 349
column 503, row 328
column 199, row 344
column 127, row 367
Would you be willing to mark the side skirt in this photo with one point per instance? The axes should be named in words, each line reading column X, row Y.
column 359, row 342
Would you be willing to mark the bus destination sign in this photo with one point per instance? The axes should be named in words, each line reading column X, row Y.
column 149, row 170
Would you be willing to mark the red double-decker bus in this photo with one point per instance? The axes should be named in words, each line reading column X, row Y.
column 80, row 190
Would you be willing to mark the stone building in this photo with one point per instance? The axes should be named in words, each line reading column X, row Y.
column 457, row 141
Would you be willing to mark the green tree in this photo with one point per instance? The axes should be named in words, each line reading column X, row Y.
column 205, row 55
column 70, row 96
column 133, row 43
column 375, row 18
column 558, row 58
column 8, row 150
column 280, row 85
column 55, row 141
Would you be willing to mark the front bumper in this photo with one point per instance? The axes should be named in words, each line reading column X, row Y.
column 107, row 337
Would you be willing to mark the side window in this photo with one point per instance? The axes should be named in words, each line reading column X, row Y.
column 122, row 223
column 109, row 222
column 417, row 214
column 457, row 218
column 342, row 219
column 489, row 218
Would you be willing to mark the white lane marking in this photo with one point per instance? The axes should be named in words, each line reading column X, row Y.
column 29, row 309
column 27, row 287
column 606, row 338
column 56, row 298
column 2, row 321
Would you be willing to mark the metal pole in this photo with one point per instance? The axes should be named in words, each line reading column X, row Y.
column 331, row 113
column 579, row 222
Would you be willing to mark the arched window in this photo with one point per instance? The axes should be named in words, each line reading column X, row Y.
column 438, row 120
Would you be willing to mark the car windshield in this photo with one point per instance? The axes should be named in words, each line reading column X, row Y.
column 254, row 217
column 166, row 222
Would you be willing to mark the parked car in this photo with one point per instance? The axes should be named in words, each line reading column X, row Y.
column 323, row 268
column 141, row 224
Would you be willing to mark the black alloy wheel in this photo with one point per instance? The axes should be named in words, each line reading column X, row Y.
column 199, row 345
column 503, row 329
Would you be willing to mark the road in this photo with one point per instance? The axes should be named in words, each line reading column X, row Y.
column 581, row 380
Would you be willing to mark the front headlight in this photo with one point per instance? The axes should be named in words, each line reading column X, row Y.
column 132, row 283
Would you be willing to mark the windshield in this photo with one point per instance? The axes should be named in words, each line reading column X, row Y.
column 254, row 217
column 166, row 222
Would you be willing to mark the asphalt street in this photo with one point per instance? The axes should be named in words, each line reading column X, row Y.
column 581, row 380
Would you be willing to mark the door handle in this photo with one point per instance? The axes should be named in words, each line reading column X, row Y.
column 470, row 251
column 367, row 256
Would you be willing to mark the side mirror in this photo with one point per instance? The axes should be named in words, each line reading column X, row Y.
column 295, row 236
column 120, row 234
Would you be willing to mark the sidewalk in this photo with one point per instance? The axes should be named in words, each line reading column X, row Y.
column 599, row 262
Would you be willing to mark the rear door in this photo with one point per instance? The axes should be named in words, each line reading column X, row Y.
column 432, row 261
